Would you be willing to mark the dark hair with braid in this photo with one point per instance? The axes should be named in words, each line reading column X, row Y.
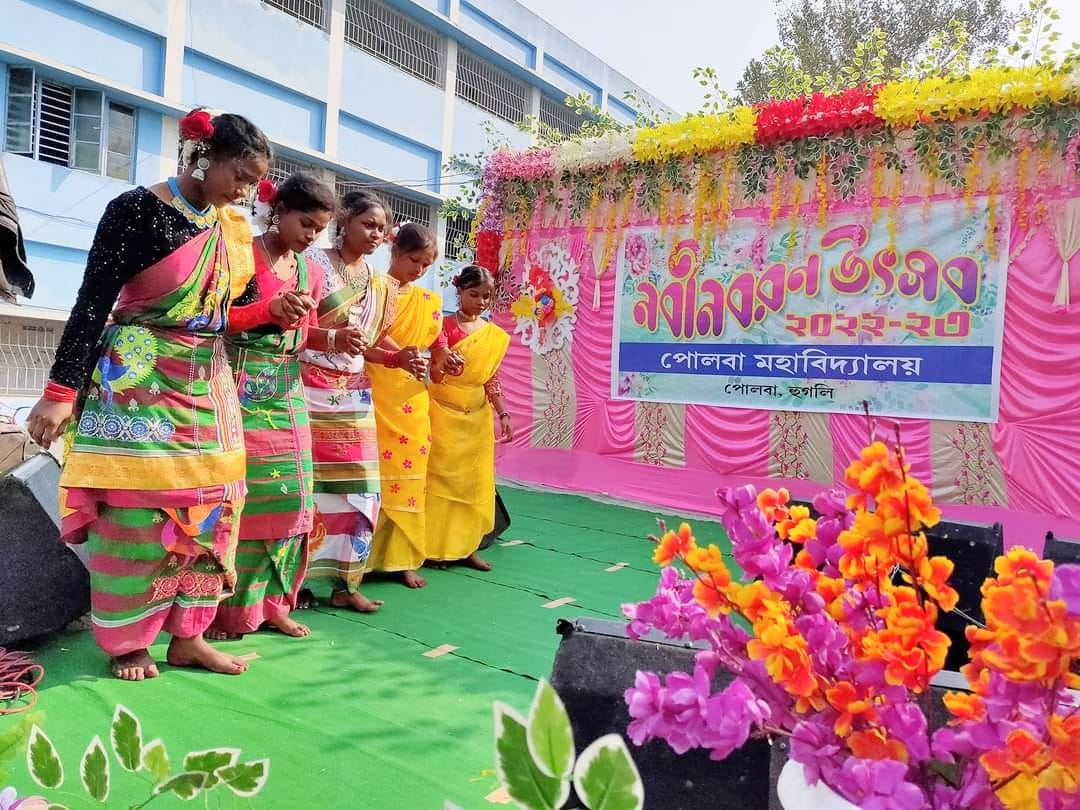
column 472, row 276
column 355, row 203
column 303, row 191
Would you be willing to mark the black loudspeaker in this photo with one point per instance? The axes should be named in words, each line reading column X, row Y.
column 44, row 585
column 502, row 522
column 595, row 664
column 1061, row 552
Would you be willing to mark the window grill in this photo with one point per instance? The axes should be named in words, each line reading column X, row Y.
column 456, row 247
column 490, row 88
column 27, row 351
column 282, row 167
column 402, row 209
column 560, row 117
column 389, row 35
column 54, row 123
column 312, row 12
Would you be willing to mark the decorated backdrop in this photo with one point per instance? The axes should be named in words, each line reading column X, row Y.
column 711, row 301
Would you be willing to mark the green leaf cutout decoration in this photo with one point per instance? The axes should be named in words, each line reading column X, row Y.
column 185, row 785
column 155, row 759
column 518, row 773
column 12, row 740
column 94, row 770
column 126, row 739
column 208, row 762
column 247, row 778
column 606, row 778
column 551, row 741
column 42, row 760
column 57, row 807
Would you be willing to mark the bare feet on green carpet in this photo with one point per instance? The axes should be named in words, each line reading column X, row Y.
column 474, row 560
column 195, row 652
column 135, row 666
column 356, row 601
column 284, row 624
column 305, row 600
column 413, row 579
column 221, row 635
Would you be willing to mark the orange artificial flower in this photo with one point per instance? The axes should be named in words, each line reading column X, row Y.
column 674, row 545
column 755, row 600
column 710, row 592
column 784, row 651
column 934, row 573
column 707, row 560
column 845, row 699
column 1022, row 754
column 773, row 502
column 1020, row 563
column 964, row 705
column 797, row 526
column 875, row 744
column 876, row 471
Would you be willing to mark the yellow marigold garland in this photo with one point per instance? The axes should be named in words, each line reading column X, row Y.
column 1022, row 213
column 822, row 185
column 991, row 217
column 875, row 186
column 695, row 135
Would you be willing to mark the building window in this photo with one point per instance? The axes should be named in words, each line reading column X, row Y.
column 70, row 126
column 27, row 351
column 402, row 209
column 282, row 167
column 389, row 35
column 312, row 12
column 559, row 117
column 456, row 247
column 490, row 88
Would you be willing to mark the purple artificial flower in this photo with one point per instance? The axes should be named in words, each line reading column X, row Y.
column 815, row 746
column 878, row 785
column 1066, row 585
column 906, row 722
column 672, row 711
column 829, row 647
column 9, row 800
column 673, row 610
column 730, row 717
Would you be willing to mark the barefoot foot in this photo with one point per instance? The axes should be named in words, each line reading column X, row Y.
column 305, row 600
column 356, row 601
column 221, row 635
column 413, row 579
column 284, row 624
column 135, row 666
column 474, row 560
column 195, row 652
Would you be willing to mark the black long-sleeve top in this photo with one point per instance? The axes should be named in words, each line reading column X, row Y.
column 137, row 230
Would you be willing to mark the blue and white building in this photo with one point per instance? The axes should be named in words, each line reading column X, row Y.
column 370, row 92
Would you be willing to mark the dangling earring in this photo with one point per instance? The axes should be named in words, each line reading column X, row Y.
column 339, row 237
column 201, row 165
column 274, row 220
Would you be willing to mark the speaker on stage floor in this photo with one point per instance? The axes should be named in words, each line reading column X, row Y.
column 44, row 585
column 1061, row 552
column 502, row 522
column 595, row 664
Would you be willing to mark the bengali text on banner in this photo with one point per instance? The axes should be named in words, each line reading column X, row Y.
column 818, row 319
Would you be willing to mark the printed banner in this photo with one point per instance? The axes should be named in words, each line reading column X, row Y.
column 818, row 319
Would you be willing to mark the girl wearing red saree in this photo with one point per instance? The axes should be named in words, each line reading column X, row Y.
column 154, row 465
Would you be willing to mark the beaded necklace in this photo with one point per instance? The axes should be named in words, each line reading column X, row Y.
column 202, row 219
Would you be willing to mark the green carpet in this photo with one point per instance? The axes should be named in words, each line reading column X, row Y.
column 355, row 716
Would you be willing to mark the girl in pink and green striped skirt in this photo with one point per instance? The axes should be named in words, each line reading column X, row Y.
column 268, row 326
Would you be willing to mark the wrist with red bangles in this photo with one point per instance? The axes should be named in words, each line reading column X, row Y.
column 392, row 359
column 56, row 392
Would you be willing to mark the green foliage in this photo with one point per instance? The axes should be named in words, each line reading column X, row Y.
column 535, row 760
column 203, row 770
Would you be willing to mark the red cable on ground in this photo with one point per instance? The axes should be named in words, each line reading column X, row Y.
column 19, row 677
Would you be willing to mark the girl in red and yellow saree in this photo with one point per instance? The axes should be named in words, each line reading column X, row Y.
column 268, row 326
column 154, row 468
column 356, row 310
column 401, row 411
column 461, row 465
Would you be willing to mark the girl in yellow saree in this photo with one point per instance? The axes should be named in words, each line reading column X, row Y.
column 401, row 411
column 461, row 465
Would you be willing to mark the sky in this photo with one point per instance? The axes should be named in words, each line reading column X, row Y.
column 657, row 43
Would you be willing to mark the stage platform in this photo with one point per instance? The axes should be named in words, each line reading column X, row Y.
column 356, row 717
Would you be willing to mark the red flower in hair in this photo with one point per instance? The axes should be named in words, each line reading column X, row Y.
column 196, row 126
column 267, row 191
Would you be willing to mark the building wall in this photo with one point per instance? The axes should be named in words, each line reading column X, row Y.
column 324, row 102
